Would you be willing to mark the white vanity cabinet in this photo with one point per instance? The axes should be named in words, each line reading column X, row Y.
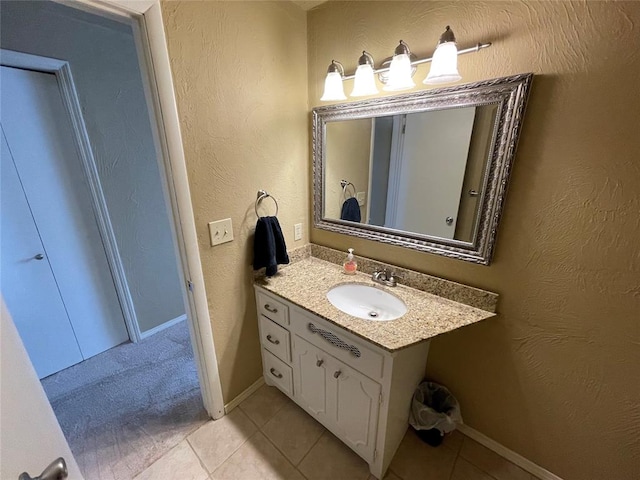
column 339, row 397
column 357, row 390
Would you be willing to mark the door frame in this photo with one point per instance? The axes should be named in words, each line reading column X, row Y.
column 146, row 19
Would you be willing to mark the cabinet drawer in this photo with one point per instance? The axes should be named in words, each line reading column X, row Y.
column 277, row 372
column 272, row 308
column 275, row 339
column 337, row 342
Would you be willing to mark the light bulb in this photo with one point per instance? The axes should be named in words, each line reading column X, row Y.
column 364, row 82
column 444, row 65
column 400, row 70
column 333, row 88
column 399, row 74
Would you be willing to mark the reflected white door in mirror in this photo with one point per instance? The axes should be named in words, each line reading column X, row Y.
column 357, row 390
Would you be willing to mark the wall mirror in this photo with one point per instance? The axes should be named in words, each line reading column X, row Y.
column 426, row 170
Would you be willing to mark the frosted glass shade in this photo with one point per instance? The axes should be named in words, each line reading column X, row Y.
column 333, row 89
column 364, row 82
column 444, row 66
column 399, row 74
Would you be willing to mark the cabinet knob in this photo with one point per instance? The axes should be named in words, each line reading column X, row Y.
column 275, row 342
column 269, row 308
column 319, row 363
column 275, row 373
column 337, row 374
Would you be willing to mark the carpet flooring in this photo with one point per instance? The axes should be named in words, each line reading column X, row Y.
column 123, row 409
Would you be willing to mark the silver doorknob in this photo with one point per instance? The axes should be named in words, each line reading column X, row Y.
column 39, row 256
column 57, row 470
column 449, row 220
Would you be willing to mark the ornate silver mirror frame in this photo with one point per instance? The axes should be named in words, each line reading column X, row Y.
column 509, row 94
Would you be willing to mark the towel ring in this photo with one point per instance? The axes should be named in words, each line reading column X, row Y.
column 344, row 184
column 261, row 195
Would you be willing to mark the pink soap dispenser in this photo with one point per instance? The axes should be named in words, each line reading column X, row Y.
column 350, row 265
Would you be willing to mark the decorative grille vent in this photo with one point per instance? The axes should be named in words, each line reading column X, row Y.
column 335, row 340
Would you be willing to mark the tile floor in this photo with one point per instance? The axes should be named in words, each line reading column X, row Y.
column 269, row 437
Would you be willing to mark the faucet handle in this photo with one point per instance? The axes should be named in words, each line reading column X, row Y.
column 394, row 277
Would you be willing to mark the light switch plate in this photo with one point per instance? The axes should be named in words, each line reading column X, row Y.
column 360, row 196
column 220, row 231
column 297, row 231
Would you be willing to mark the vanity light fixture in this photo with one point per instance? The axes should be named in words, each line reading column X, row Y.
column 396, row 72
column 364, row 82
column 333, row 89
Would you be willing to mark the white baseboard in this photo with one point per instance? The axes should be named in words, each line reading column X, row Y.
column 243, row 396
column 510, row 455
column 162, row 326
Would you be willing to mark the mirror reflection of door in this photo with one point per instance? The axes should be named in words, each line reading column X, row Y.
column 427, row 161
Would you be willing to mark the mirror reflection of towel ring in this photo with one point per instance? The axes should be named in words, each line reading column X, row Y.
column 260, row 196
column 345, row 185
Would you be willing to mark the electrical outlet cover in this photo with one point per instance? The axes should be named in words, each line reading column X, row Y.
column 297, row 231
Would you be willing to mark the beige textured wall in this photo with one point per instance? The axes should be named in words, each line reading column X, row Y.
column 240, row 70
column 555, row 376
column 348, row 151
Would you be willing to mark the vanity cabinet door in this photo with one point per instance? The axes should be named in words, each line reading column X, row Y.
column 354, row 403
column 310, row 387
column 344, row 400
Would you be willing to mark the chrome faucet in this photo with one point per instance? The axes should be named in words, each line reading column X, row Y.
column 384, row 277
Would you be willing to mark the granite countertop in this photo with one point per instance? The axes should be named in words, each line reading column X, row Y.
column 306, row 282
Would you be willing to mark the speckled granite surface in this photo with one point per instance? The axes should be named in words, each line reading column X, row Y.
column 441, row 287
column 306, row 282
column 295, row 255
column 299, row 253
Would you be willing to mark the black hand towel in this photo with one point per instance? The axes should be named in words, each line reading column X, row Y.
column 350, row 210
column 269, row 248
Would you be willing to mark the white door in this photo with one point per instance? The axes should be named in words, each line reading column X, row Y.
column 429, row 175
column 30, row 435
column 40, row 137
column 28, row 284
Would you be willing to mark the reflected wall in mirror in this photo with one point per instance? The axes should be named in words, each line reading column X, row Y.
column 427, row 171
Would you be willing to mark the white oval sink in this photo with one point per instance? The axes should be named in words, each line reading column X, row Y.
column 367, row 302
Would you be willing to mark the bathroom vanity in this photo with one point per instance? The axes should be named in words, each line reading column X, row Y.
column 355, row 376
